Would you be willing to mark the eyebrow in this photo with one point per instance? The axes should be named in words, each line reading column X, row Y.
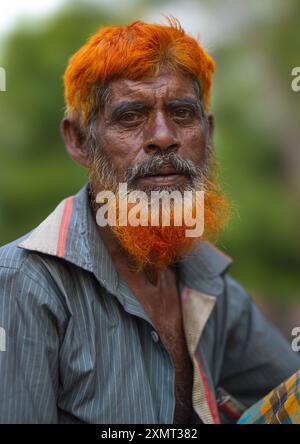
column 187, row 101
column 127, row 105
column 135, row 105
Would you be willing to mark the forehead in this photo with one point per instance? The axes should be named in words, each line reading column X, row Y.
column 166, row 86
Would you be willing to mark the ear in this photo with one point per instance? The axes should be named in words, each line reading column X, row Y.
column 74, row 141
column 211, row 128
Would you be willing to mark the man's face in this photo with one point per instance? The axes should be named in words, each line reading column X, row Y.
column 150, row 118
column 152, row 134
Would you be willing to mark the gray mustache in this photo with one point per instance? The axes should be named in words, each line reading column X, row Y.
column 155, row 163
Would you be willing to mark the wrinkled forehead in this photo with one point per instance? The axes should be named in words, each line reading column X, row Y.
column 167, row 85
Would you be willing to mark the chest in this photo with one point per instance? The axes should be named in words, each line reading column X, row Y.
column 168, row 323
column 163, row 307
column 117, row 367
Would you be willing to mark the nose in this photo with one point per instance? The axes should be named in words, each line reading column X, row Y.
column 160, row 136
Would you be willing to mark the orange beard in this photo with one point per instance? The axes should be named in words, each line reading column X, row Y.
column 153, row 246
column 160, row 246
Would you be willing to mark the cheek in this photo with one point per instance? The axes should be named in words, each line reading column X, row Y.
column 194, row 145
column 122, row 149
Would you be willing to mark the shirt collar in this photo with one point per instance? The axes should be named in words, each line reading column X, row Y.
column 70, row 232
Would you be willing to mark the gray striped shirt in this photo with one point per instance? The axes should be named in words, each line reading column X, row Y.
column 76, row 345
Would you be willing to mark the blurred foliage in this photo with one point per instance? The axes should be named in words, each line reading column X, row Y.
column 36, row 173
column 263, row 236
column 35, row 170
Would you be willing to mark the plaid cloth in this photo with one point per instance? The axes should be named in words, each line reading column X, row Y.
column 280, row 406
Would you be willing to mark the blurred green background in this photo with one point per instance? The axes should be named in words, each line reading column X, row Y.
column 256, row 113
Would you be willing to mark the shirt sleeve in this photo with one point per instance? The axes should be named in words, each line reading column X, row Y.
column 257, row 357
column 29, row 350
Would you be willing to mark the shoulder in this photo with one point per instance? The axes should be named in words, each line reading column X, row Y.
column 11, row 256
column 208, row 269
column 216, row 263
column 15, row 260
column 26, row 277
column 214, row 270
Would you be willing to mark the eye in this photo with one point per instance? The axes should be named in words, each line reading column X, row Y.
column 130, row 117
column 183, row 113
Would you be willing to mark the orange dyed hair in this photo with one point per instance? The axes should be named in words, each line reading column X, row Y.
column 133, row 52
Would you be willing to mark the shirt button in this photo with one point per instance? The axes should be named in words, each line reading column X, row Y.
column 155, row 336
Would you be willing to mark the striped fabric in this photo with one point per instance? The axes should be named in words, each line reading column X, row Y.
column 281, row 406
column 76, row 345
column 111, row 369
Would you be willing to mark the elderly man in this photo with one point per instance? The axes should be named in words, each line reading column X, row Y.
column 133, row 324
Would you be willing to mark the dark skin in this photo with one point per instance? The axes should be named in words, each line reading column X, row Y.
column 142, row 118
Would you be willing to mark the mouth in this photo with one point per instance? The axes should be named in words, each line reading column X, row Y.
column 163, row 176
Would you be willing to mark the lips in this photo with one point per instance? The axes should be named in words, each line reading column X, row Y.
column 166, row 175
column 163, row 171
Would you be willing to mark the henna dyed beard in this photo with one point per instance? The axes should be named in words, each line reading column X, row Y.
column 155, row 247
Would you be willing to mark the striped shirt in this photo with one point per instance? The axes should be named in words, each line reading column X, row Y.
column 76, row 345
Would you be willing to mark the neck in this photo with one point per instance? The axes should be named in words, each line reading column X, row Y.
column 123, row 260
